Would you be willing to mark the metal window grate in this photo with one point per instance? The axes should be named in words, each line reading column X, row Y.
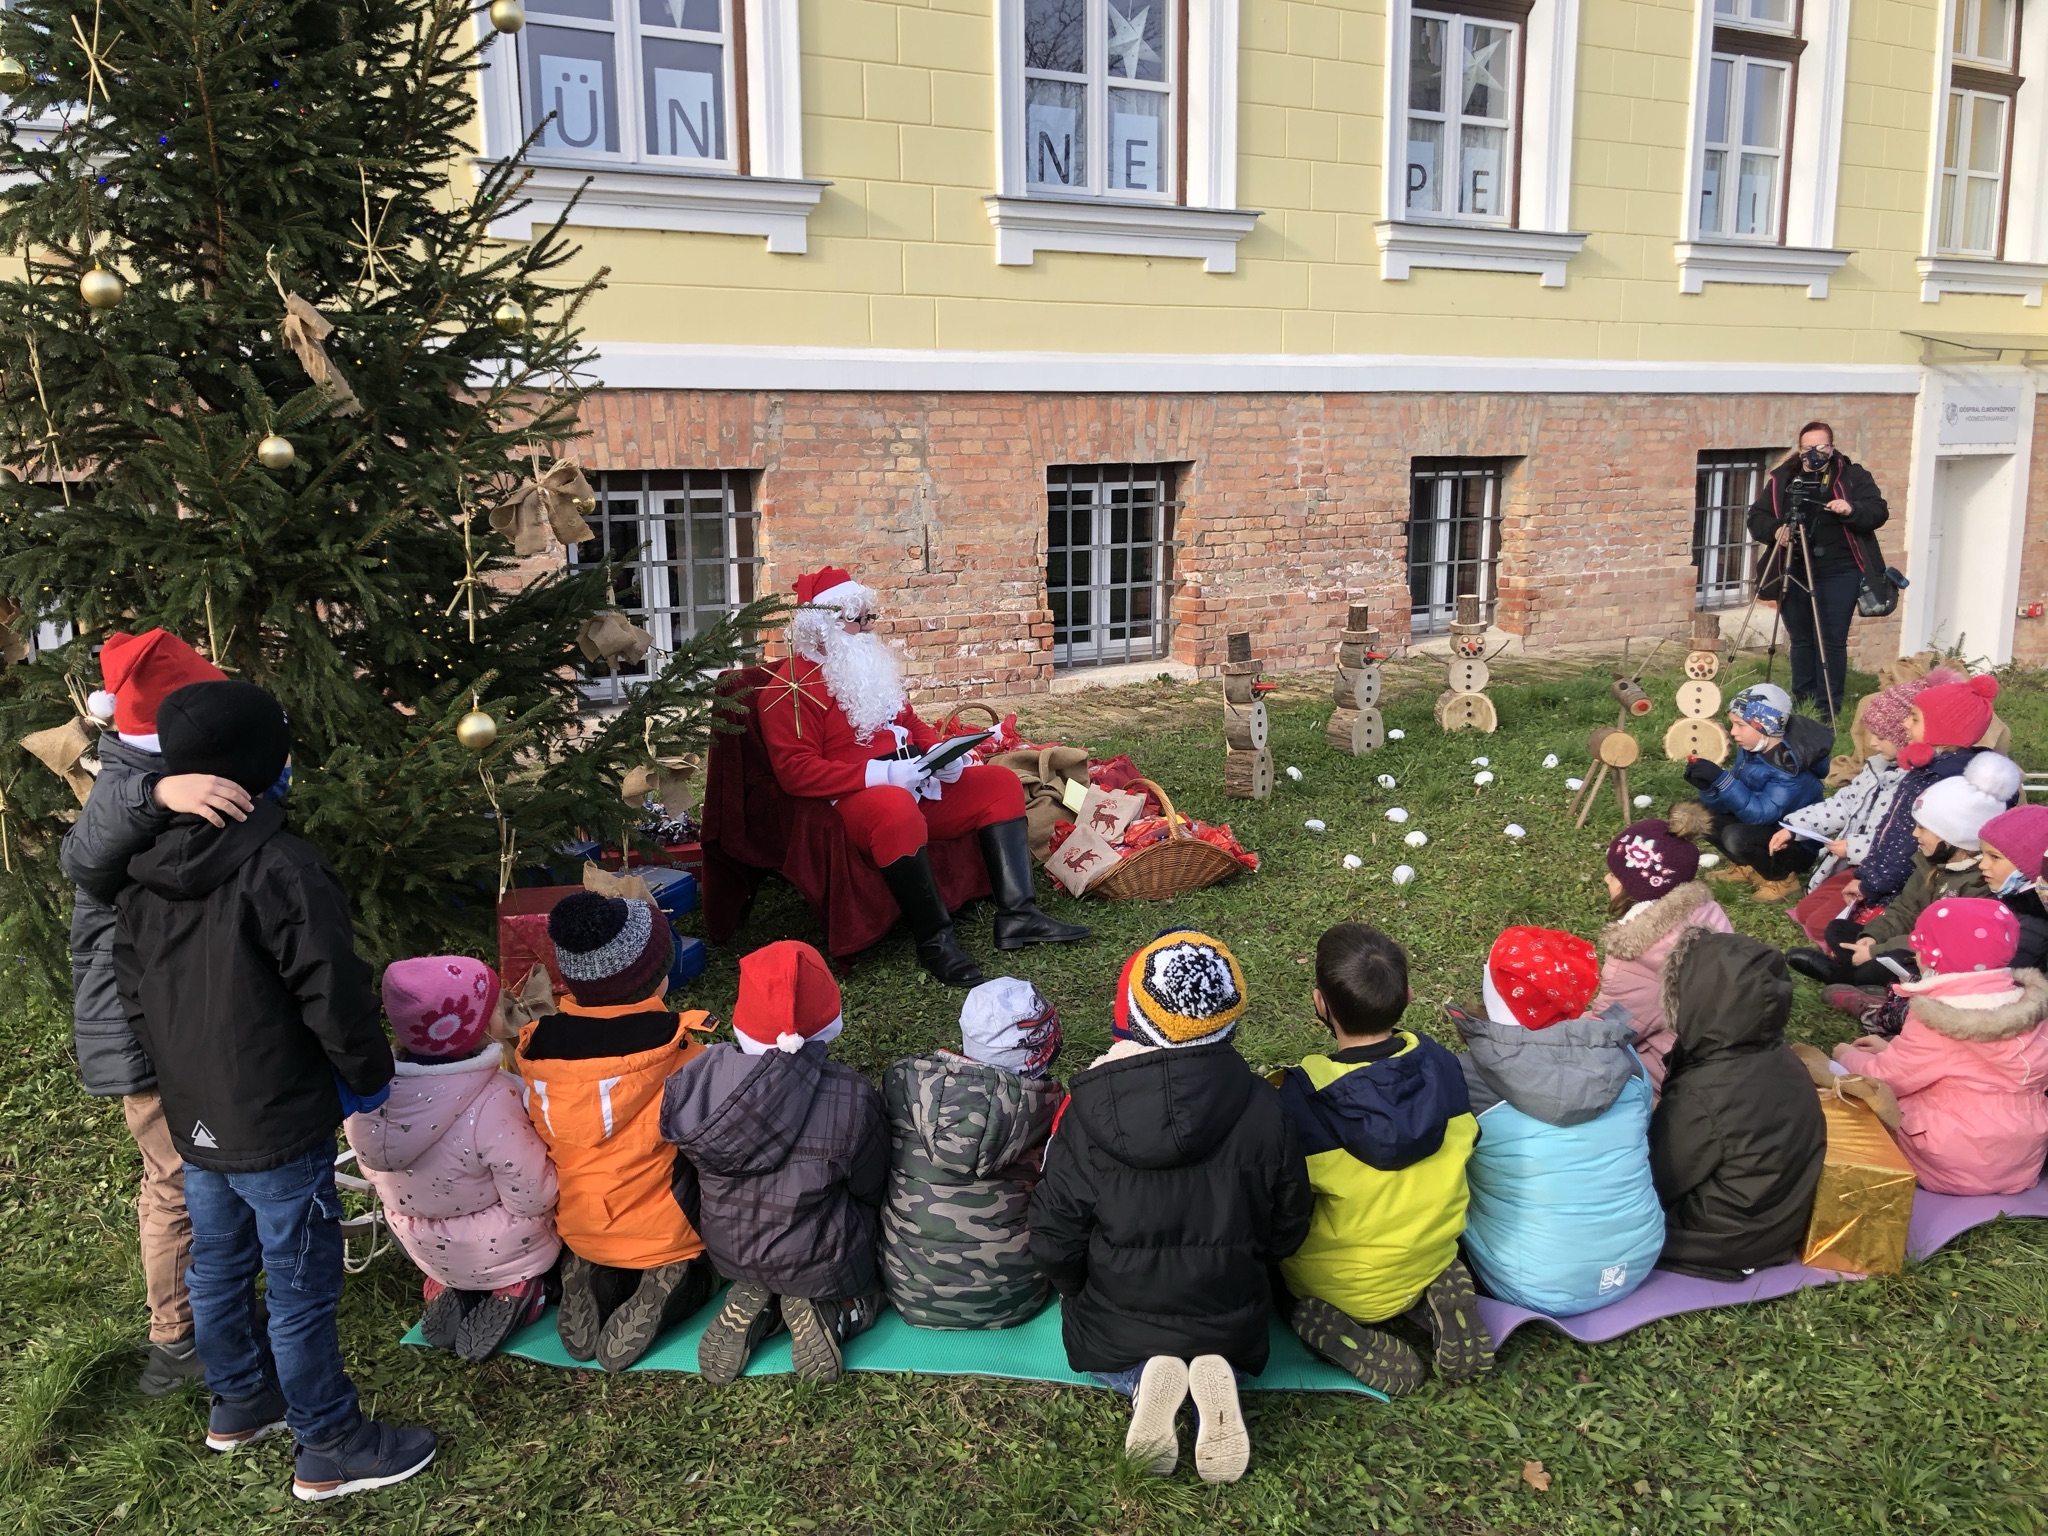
column 1722, row 551
column 1453, row 539
column 1109, row 562
column 685, row 547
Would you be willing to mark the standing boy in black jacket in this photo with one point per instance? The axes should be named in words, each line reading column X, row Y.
column 236, row 963
column 1173, row 1183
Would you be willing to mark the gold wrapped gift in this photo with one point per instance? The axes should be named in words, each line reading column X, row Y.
column 1865, row 1200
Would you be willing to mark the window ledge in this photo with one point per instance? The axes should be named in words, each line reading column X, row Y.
column 1406, row 244
column 1735, row 261
column 1968, row 274
column 694, row 201
column 1027, row 225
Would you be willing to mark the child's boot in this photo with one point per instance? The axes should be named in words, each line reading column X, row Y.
column 750, row 1315
column 665, row 1296
column 591, row 1293
column 442, row 1316
column 1450, row 1307
column 819, row 1329
column 1223, row 1446
column 1152, row 1442
column 1376, row 1358
column 1727, row 872
column 493, row 1320
column 1777, row 890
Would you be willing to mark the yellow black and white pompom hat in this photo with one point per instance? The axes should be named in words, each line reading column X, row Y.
column 1184, row 988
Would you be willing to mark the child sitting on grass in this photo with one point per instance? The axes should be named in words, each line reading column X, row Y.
column 1652, row 891
column 967, row 1134
column 1780, row 759
column 2012, row 847
column 1564, row 1215
column 1173, row 1183
column 1737, row 1140
column 1387, row 1128
column 466, row 1183
column 1969, row 1068
column 791, row 1152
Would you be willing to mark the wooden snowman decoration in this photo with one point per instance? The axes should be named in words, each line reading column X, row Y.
column 1465, row 706
column 1247, row 759
column 1355, row 725
column 1699, row 732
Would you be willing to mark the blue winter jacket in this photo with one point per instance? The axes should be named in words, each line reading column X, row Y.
column 1765, row 787
column 1564, row 1214
column 1889, row 864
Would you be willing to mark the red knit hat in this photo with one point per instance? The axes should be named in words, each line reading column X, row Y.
column 1537, row 976
column 1957, row 714
column 141, row 671
column 787, row 999
column 817, row 586
column 1966, row 933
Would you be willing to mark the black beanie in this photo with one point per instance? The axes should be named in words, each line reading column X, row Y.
column 234, row 730
column 608, row 949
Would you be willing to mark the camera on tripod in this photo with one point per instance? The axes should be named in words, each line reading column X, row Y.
column 1806, row 498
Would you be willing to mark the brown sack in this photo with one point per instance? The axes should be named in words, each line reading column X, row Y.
column 1045, row 772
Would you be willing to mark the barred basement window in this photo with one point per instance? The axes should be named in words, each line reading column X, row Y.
column 683, row 543
column 1721, row 547
column 1453, row 539
column 1109, row 562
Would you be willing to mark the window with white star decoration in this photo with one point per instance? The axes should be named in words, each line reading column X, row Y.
column 1099, row 94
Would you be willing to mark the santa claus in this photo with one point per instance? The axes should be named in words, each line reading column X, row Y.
column 839, row 727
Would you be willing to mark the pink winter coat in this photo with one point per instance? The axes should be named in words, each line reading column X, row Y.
column 1633, row 974
column 465, row 1180
column 1969, row 1081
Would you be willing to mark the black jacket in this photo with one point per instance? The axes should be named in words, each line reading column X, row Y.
column 2026, row 907
column 120, row 820
column 1173, row 1182
column 237, row 966
column 1843, row 540
column 1737, row 1140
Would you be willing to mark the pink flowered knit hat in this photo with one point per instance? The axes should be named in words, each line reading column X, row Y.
column 1885, row 715
column 1650, row 860
column 1537, row 976
column 1956, row 934
column 440, row 1005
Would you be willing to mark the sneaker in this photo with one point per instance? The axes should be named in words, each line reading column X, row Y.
column 373, row 1455
column 1451, row 1307
column 665, row 1296
column 1855, row 1001
column 232, row 1424
column 1376, row 1358
column 495, row 1318
column 750, row 1315
column 1223, row 1446
column 443, row 1315
column 819, row 1329
column 169, row 1367
column 1152, row 1443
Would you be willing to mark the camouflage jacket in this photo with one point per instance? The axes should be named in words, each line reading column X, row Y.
column 966, row 1145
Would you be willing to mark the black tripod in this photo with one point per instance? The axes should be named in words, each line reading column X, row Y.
column 1784, row 551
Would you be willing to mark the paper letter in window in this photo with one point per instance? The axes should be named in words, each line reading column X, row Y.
column 684, row 122
column 572, row 89
column 1049, row 149
column 1136, row 141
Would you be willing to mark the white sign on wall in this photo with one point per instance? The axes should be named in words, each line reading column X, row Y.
column 1974, row 414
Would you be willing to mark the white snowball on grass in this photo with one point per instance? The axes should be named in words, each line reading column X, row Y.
column 1313, row 825
column 1482, row 778
column 1403, row 874
column 1294, row 773
column 1397, row 735
column 1387, row 781
column 1574, row 783
column 1550, row 760
column 1709, row 860
column 1353, row 861
column 1396, row 814
column 1642, row 802
column 1482, row 762
column 1512, row 830
column 1416, row 839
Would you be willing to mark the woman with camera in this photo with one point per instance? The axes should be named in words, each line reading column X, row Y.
column 1817, row 519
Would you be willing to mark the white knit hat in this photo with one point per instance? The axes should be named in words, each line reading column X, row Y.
column 1007, row 1023
column 1995, row 774
column 1955, row 810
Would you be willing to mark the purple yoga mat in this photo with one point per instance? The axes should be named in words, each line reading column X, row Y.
column 1937, row 1221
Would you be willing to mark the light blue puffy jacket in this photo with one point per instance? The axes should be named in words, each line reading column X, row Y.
column 1564, row 1215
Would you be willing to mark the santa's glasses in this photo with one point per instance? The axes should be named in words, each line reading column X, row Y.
column 859, row 620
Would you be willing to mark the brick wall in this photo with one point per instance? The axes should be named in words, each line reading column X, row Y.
column 1293, row 505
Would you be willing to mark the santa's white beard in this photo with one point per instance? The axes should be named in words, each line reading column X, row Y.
column 865, row 679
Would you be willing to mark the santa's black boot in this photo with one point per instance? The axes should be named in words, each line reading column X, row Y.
column 938, row 949
column 1006, row 847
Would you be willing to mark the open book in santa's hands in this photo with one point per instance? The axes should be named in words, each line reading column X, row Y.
column 951, row 750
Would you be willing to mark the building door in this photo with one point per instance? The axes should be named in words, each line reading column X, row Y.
column 1967, row 542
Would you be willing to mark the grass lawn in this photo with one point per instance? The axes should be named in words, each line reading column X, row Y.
column 1907, row 1404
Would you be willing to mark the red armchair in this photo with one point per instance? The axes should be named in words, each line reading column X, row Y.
column 753, row 829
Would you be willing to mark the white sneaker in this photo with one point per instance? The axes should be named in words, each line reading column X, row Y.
column 1223, row 1446
column 1152, row 1442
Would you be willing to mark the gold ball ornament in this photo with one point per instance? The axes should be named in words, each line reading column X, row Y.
column 13, row 73
column 507, row 15
column 276, row 453
column 476, row 730
column 509, row 317
column 101, row 289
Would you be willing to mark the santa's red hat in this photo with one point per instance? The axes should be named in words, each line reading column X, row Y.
column 828, row 588
column 141, row 671
column 1537, row 976
column 787, row 1000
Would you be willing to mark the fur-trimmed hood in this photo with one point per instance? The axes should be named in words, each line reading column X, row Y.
column 2001, row 1022
column 1626, row 938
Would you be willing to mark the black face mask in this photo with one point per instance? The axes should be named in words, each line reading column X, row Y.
column 1815, row 458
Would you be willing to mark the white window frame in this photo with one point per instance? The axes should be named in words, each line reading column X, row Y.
column 773, row 200
column 2021, row 271
column 1734, row 151
column 1961, row 111
column 1745, row 14
column 629, row 34
column 1451, row 118
column 1540, row 240
column 1803, row 253
column 1207, row 226
column 1098, row 81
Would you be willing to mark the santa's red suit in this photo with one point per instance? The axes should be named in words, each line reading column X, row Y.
column 817, row 755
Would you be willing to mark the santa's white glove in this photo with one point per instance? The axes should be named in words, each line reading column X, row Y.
column 951, row 772
column 901, row 772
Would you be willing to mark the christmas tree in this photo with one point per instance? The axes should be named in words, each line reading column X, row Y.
column 266, row 381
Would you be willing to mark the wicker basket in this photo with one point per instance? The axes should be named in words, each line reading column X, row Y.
column 1183, row 862
column 952, row 725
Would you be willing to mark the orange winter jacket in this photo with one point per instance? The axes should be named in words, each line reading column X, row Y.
column 622, row 1202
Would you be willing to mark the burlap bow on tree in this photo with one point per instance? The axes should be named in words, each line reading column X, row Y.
column 61, row 749
column 533, row 998
column 614, row 637
column 305, row 330
column 556, row 501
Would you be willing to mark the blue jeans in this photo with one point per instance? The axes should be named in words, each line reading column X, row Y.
column 1822, row 652
column 286, row 1222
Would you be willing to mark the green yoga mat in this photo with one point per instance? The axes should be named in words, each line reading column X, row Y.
column 1030, row 1352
